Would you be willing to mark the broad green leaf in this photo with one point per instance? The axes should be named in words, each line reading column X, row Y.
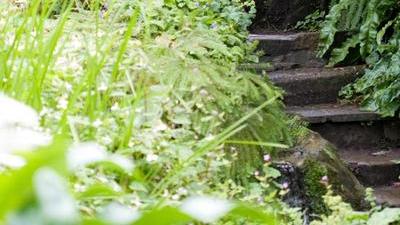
column 385, row 217
column 163, row 216
column 20, row 180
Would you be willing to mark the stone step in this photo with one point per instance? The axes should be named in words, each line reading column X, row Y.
column 373, row 167
column 282, row 43
column 322, row 113
column 292, row 49
column 261, row 68
column 347, row 126
column 388, row 195
column 314, row 85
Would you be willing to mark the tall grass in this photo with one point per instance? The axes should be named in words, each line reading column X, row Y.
column 155, row 83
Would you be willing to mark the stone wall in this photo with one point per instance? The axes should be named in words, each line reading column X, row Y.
column 281, row 15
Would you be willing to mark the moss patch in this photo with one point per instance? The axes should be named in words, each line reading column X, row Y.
column 314, row 189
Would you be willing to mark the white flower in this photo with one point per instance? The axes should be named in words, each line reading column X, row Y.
column 14, row 113
column 79, row 187
column 160, row 126
column 115, row 107
column 122, row 161
column 22, row 139
column 19, row 127
column 203, row 92
column 116, row 213
column 106, row 140
column 68, row 87
column 209, row 137
column 103, row 87
column 97, row 123
column 206, row 209
column 285, row 185
column 165, row 193
column 44, row 112
column 151, row 157
column 75, row 42
column 83, row 154
column 182, row 191
column 267, row 158
column 175, row 197
column 62, row 103
column 11, row 161
column 80, row 155
column 55, row 202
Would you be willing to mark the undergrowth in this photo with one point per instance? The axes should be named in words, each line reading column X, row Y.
column 312, row 22
column 155, row 83
column 342, row 213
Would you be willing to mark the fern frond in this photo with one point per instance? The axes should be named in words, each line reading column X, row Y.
column 368, row 31
column 377, row 26
column 339, row 54
column 357, row 18
column 330, row 26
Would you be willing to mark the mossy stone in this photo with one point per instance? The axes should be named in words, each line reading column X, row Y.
column 311, row 160
column 314, row 189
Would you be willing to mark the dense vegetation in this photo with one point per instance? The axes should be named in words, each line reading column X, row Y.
column 154, row 84
column 373, row 37
column 134, row 112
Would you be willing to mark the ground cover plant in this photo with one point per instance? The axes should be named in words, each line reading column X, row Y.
column 373, row 37
column 134, row 109
column 134, row 112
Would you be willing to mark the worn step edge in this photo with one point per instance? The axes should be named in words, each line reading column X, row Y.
column 387, row 195
column 298, row 75
column 314, row 85
column 271, row 66
column 373, row 166
column 282, row 43
column 264, row 67
column 332, row 113
column 303, row 39
column 371, row 156
column 287, row 71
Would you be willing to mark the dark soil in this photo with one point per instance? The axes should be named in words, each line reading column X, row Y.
column 273, row 15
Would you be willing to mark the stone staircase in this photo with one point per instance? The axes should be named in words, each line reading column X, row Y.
column 369, row 144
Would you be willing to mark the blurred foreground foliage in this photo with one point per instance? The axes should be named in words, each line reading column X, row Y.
column 155, row 84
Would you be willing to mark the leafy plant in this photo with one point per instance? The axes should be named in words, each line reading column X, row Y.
column 312, row 22
column 342, row 213
column 44, row 197
column 154, row 83
column 375, row 28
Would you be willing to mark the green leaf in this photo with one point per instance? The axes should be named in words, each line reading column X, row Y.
column 330, row 28
column 20, row 181
column 99, row 190
column 266, row 144
column 163, row 216
column 339, row 54
column 271, row 172
column 385, row 217
column 255, row 214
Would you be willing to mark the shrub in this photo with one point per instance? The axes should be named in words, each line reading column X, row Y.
column 374, row 26
column 154, row 82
